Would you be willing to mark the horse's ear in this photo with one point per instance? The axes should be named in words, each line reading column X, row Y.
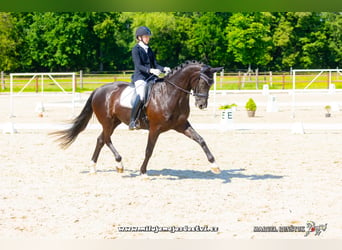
column 213, row 70
column 205, row 68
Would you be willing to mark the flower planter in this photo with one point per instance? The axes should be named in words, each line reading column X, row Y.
column 251, row 113
column 251, row 107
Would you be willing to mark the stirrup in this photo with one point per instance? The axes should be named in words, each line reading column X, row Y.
column 132, row 125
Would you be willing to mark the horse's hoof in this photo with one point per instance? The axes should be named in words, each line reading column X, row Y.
column 119, row 170
column 92, row 167
column 215, row 170
column 144, row 177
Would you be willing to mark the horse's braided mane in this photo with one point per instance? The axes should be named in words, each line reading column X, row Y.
column 181, row 66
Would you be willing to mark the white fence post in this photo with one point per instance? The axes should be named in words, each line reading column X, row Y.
column 215, row 87
column 81, row 78
column 2, row 81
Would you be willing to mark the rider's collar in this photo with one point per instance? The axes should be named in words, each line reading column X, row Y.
column 143, row 45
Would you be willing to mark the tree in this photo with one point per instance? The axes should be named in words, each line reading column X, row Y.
column 311, row 39
column 55, row 41
column 207, row 38
column 284, row 53
column 113, row 37
column 7, row 43
column 102, row 41
column 165, row 34
column 333, row 27
column 249, row 38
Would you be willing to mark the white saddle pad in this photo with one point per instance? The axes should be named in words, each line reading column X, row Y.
column 126, row 97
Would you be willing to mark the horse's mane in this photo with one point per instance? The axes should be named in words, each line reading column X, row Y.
column 175, row 70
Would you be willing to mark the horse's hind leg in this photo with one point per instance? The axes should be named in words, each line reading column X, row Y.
column 188, row 130
column 107, row 140
column 99, row 145
column 117, row 156
column 104, row 138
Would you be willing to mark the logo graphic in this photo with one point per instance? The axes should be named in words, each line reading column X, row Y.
column 312, row 228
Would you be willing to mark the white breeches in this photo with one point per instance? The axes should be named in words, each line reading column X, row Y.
column 140, row 88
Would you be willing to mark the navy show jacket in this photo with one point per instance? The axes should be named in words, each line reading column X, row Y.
column 143, row 62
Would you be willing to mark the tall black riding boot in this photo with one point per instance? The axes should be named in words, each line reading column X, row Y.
column 134, row 113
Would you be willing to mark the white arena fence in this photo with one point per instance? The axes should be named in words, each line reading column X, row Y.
column 331, row 85
column 331, row 78
column 65, row 84
column 66, row 96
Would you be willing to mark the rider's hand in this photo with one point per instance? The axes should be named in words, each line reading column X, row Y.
column 167, row 70
column 155, row 72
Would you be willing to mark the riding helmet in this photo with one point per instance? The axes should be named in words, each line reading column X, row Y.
column 143, row 30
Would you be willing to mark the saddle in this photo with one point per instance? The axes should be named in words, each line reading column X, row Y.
column 129, row 94
column 148, row 89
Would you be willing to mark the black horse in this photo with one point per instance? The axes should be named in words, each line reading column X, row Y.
column 167, row 108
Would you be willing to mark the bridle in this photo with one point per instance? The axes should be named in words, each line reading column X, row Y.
column 202, row 76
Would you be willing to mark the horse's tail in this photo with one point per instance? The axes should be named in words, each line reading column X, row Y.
column 68, row 136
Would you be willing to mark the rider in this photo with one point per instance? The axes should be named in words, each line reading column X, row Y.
column 145, row 67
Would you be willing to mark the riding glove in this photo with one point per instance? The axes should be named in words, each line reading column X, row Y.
column 155, row 72
column 167, row 70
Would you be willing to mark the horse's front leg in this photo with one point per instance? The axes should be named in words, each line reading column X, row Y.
column 189, row 131
column 152, row 138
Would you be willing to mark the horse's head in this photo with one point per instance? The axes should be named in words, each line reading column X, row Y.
column 201, row 89
column 193, row 78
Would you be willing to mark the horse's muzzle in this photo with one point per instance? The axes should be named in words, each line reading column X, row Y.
column 201, row 104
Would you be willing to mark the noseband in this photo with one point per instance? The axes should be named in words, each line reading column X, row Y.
column 202, row 76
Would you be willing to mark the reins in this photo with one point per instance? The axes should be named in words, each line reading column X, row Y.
column 203, row 76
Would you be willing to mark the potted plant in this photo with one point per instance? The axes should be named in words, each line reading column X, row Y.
column 327, row 108
column 228, row 106
column 251, row 107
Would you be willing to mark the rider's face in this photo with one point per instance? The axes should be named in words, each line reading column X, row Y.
column 145, row 39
